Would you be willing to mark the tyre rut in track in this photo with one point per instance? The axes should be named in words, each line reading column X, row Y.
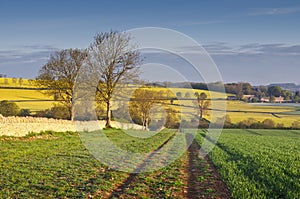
column 203, row 180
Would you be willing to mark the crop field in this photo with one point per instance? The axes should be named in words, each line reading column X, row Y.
column 236, row 110
column 179, row 105
column 239, row 111
column 24, row 94
column 286, row 120
column 57, row 165
column 259, row 163
column 252, row 163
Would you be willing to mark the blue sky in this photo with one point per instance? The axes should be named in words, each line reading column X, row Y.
column 254, row 41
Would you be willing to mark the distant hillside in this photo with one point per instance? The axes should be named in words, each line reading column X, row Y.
column 287, row 86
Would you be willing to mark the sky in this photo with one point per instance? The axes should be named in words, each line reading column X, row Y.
column 249, row 41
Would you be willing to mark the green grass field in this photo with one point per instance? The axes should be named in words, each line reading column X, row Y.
column 259, row 163
column 253, row 163
column 57, row 165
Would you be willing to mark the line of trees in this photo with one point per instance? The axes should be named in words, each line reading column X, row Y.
column 240, row 89
column 59, row 76
column 260, row 92
column 111, row 60
column 110, row 55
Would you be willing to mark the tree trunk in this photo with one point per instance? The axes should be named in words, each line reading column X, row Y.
column 201, row 115
column 143, row 124
column 108, row 115
column 200, row 122
column 72, row 110
column 146, row 124
column 72, row 113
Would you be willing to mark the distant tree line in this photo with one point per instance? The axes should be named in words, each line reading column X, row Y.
column 140, row 113
column 257, row 93
column 239, row 90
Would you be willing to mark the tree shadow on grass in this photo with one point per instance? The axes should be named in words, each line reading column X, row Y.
column 134, row 177
column 252, row 132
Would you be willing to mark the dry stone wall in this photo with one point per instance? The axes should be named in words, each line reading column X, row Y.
column 20, row 126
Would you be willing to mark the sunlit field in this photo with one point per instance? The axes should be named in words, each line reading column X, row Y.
column 259, row 163
column 252, row 163
column 182, row 104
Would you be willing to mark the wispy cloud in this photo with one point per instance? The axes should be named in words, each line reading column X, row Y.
column 274, row 11
column 223, row 48
column 219, row 48
column 26, row 54
column 256, row 63
column 252, row 49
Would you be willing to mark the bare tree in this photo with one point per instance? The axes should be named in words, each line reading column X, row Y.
column 202, row 103
column 59, row 76
column 112, row 61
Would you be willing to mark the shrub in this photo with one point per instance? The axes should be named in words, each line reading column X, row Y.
column 57, row 112
column 156, row 124
column 280, row 126
column 193, row 123
column 296, row 125
column 257, row 125
column 179, row 95
column 224, row 122
column 268, row 124
column 172, row 120
column 247, row 123
column 255, row 100
column 9, row 108
column 204, row 123
column 187, row 95
column 24, row 112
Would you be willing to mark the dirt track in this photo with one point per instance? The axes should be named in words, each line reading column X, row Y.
column 204, row 180
column 200, row 178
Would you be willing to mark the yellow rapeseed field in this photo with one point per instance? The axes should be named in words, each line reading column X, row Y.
column 22, row 94
column 180, row 105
